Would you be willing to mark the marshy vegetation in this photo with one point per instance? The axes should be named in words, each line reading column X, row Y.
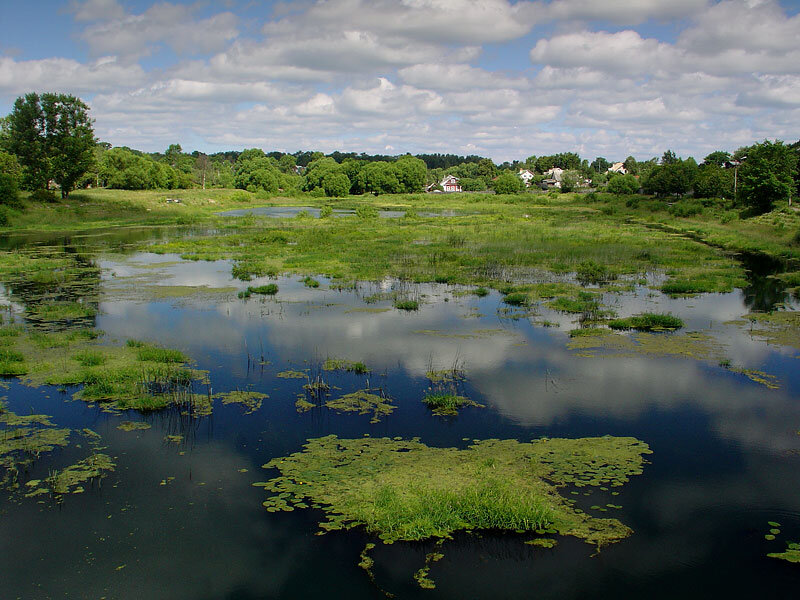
column 404, row 490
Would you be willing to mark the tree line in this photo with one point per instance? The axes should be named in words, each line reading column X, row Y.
column 48, row 141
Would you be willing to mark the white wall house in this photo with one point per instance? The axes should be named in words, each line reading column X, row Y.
column 526, row 176
column 451, row 183
column 618, row 167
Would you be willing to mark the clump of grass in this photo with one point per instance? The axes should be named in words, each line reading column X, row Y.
column 60, row 311
column 443, row 403
column 406, row 304
column 516, row 299
column 90, row 358
column 135, row 343
column 591, row 272
column 648, row 322
column 587, row 332
column 269, row 289
column 148, row 353
column 12, row 362
column 310, row 282
column 480, row 292
column 341, row 364
column 426, row 492
column 585, row 302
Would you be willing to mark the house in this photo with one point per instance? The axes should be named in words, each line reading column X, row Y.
column 451, row 183
column 554, row 173
column 553, row 178
column 618, row 167
column 526, row 176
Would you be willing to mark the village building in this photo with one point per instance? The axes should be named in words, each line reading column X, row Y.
column 526, row 176
column 618, row 167
column 451, row 183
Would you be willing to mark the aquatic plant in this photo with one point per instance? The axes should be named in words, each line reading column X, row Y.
column 341, row 364
column 249, row 399
column 405, row 490
column 90, row 358
column 310, row 282
column 292, row 375
column 408, row 305
column 269, row 289
column 516, row 299
column 443, row 403
column 363, row 402
column 648, row 322
column 148, row 353
column 133, row 426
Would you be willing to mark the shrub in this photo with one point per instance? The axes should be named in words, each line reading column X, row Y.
column 9, row 190
column 508, row 183
column 4, row 218
column 686, row 208
column 366, row 211
column 796, row 239
column 326, row 211
column 43, row 196
column 623, row 184
column 241, row 196
column 591, row 272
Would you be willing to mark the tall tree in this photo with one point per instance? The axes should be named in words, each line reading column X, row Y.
column 53, row 138
column 26, row 129
column 767, row 175
column 69, row 139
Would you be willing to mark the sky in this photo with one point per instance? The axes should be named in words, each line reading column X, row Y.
column 502, row 79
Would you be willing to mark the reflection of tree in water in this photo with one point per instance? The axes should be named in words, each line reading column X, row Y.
column 60, row 288
column 63, row 272
column 763, row 290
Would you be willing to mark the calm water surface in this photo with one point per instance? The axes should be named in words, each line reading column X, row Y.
column 726, row 450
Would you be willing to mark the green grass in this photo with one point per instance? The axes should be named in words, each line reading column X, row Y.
column 310, row 282
column 648, row 322
column 408, row 305
column 443, row 403
column 405, row 490
column 90, row 358
column 157, row 354
column 269, row 289
column 516, row 299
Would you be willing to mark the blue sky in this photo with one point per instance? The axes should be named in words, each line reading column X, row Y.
column 491, row 77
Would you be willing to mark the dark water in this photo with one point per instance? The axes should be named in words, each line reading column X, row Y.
column 726, row 450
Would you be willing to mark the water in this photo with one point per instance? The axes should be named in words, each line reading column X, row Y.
column 725, row 449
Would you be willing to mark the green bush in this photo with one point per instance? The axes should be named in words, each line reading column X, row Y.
column 508, row 183
column 9, row 190
column 4, row 218
column 366, row 211
column 43, row 196
column 686, row 208
column 591, row 272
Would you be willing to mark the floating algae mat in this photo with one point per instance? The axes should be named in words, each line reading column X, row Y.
column 403, row 490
